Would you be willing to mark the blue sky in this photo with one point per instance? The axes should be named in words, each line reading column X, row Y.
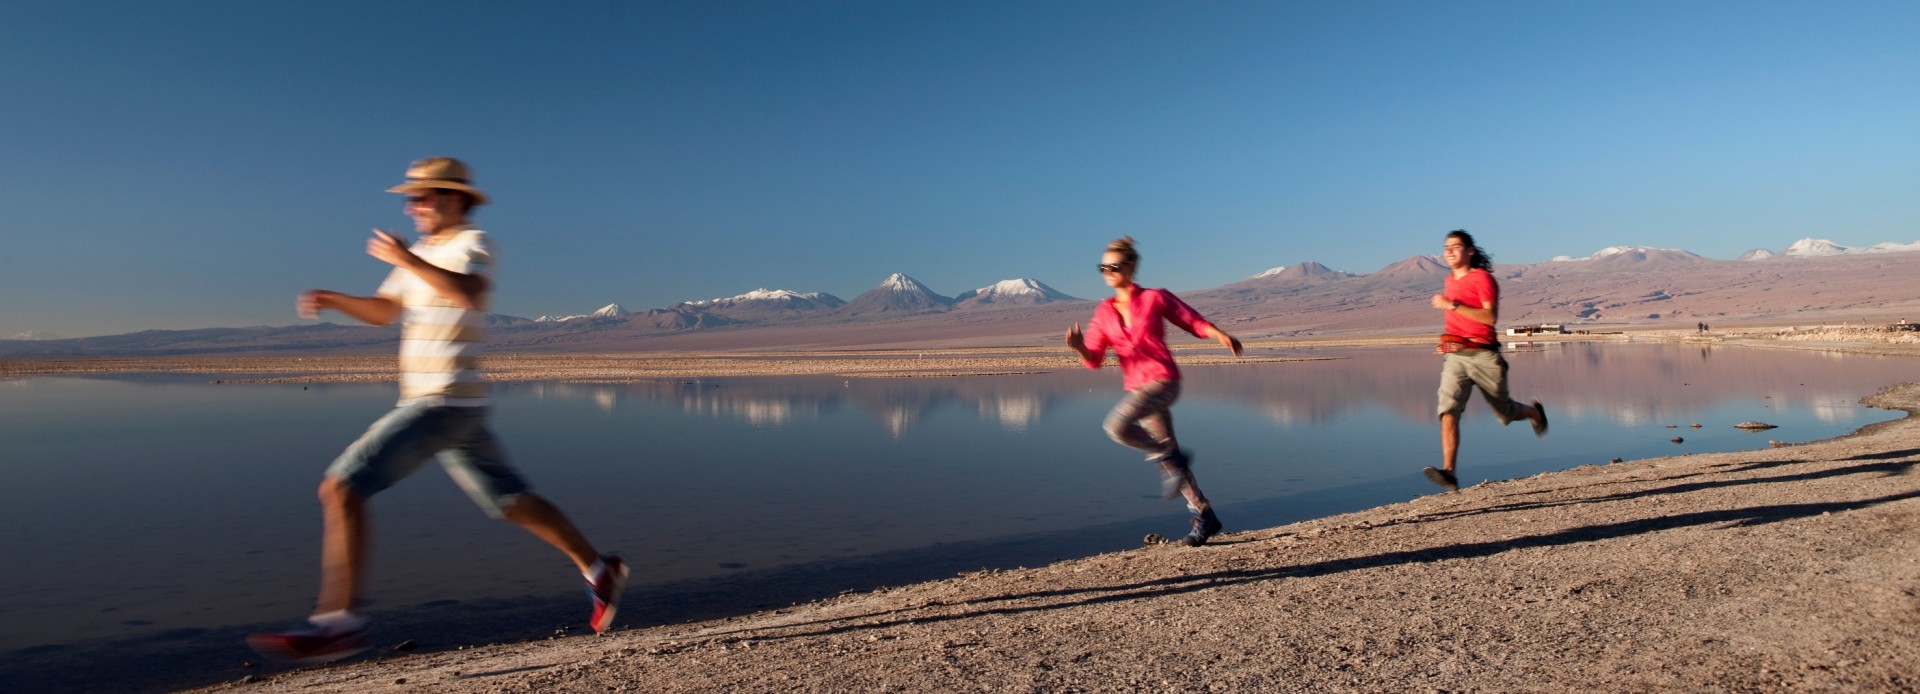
column 196, row 164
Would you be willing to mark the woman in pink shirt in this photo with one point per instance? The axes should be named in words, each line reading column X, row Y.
column 1133, row 325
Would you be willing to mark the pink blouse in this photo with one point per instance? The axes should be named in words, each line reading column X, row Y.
column 1142, row 346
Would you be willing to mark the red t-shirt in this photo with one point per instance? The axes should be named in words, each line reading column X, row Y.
column 1476, row 290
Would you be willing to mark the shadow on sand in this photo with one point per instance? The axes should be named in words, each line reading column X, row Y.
column 1725, row 519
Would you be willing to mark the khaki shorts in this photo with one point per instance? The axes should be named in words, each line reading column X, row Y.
column 1470, row 367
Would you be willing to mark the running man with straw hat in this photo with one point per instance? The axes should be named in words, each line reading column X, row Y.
column 438, row 290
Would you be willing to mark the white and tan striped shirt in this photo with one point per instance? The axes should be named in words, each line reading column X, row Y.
column 440, row 343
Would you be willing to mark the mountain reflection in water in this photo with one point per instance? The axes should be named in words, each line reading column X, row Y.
column 1631, row 385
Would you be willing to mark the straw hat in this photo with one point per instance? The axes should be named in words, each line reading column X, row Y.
column 440, row 173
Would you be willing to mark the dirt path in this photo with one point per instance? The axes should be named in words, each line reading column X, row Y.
column 1788, row 569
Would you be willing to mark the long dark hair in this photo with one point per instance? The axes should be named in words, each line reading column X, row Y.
column 1481, row 261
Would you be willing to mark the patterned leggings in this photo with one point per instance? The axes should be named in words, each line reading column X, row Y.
column 1144, row 420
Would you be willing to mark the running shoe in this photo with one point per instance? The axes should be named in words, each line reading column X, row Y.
column 1540, row 425
column 604, row 586
column 312, row 645
column 1205, row 525
column 1444, row 478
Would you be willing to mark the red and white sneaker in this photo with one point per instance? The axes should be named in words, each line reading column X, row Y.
column 604, row 585
column 312, row 645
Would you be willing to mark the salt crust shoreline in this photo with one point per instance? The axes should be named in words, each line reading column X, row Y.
column 1794, row 568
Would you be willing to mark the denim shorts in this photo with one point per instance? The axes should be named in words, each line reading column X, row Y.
column 399, row 443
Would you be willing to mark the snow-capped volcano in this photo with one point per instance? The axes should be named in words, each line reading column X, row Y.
column 1888, row 247
column 762, row 304
column 898, row 293
column 768, row 295
column 900, row 282
column 1617, row 250
column 1015, row 292
column 1756, row 254
column 1809, row 247
column 777, row 297
column 1308, row 270
column 607, row 311
column 1629, row 258
column 1812, row 247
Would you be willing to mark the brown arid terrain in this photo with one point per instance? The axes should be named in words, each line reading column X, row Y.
column 1793, row 568
column 1633, row 291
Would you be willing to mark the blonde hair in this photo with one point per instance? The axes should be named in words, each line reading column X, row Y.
column 1124, row 246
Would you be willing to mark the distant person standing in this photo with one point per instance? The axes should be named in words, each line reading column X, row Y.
column 1133, row 325
column 438, row 290
column 1470, row 299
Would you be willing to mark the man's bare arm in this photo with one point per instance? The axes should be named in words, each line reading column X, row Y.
column 373, row 310
column 465, row 291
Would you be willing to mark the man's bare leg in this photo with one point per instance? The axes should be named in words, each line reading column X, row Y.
column 606, row 576
column 343, row 546
column 334, row 631
column 546, row 522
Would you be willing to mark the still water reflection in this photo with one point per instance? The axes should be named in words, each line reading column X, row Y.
column 206, row 491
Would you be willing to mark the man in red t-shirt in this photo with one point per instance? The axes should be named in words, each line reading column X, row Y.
column 1471, row 300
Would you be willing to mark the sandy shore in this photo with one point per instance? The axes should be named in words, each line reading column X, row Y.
column 1794, row 568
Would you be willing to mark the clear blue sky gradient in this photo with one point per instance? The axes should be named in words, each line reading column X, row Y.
column 196, row 164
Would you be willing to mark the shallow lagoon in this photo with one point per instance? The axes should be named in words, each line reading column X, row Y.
column 162, row 505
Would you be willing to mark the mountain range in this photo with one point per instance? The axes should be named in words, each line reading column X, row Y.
column 1811, row 281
